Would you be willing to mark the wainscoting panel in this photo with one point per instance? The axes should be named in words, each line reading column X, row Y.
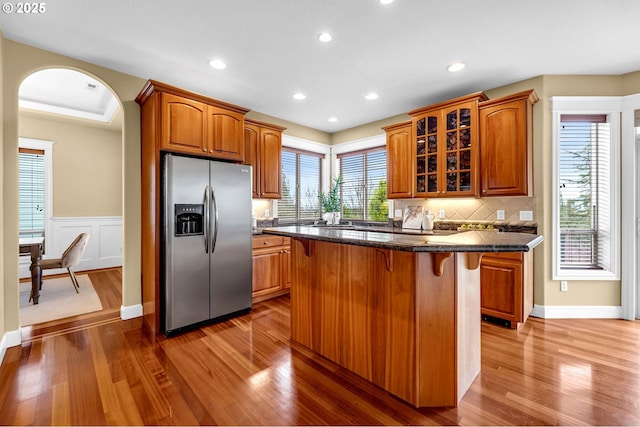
column 104, row 248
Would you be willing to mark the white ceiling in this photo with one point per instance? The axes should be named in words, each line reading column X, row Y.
column 398, row 50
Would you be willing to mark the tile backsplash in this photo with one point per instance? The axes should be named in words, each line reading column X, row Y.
column 456, row 209
column 468, row 209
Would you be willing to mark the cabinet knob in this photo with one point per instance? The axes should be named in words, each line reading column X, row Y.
column 211, row 151
column 204, row 149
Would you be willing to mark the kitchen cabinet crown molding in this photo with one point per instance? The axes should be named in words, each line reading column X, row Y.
column 396, row 126
column 530, row 95
column 154, row 86
column 271, row 126
column 480, row 96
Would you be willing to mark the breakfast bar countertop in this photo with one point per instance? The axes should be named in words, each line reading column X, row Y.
column 467, row 241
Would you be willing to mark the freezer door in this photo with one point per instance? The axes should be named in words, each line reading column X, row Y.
column 186, row 263
column 231, row 263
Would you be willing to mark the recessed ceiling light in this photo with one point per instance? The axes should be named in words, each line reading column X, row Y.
column 333, row 119
column 456, row 66
column 325, row 37
column 371, row 96
column 386, row 1
column 217, row 64
column 299, row 96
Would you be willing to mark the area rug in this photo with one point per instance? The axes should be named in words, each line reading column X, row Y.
column 58, row 299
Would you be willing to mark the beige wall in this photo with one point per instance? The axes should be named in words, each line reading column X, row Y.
column 17, row 62
column 3, row 298
column 87, row 165
column 293, row 129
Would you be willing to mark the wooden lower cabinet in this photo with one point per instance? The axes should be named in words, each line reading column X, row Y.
column 271, row 267
column 506, row 283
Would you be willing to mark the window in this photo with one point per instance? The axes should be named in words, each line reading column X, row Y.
column 301, row 183
column 35, row 194
column 364, row 184
column 584, row 154
column 31, row 192
column 586, row 195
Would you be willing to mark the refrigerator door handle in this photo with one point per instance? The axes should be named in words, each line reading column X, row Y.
column 206, row 219
column 215, row 219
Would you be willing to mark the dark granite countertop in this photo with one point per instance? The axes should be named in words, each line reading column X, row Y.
column 438, row 241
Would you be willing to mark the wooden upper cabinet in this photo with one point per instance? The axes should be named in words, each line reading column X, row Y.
column 251, row 137
column 445, row 148
column 263, row 150
column 270, row 163
column 399, row 161
column 183, row 125
column 506, row 144
column 193, row 124
column 225, row 134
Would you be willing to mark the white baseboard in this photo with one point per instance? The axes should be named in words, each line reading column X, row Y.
column 104, row 248
column 10, row 339
column 130, row 312
column 577, row 312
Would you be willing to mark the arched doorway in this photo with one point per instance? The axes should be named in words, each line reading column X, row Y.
column 83, row 119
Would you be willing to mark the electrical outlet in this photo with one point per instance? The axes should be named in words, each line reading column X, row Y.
column 500, row 214
column 442, row 214
column 398, row 213
column 564, row 287
column 526, row 215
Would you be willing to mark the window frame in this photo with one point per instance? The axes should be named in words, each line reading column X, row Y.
column 367, row 200
column 377, row 141
column 310, row 147
column 47, row 147
column 609, row 106
column 320, row 157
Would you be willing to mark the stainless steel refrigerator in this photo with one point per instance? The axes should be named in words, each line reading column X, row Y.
column 207, row 241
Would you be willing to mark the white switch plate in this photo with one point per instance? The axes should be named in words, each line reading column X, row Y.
column 500, row 214
column 526, row 215
column 442, row 214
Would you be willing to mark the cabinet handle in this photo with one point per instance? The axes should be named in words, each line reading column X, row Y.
column 204, row 149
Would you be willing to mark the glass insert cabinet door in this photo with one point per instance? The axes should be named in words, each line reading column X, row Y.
column 445, row 149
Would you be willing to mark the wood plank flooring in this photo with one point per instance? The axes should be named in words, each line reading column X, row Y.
column 107, row 284
column 245, row 371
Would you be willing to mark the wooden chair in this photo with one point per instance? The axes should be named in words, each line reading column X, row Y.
column 70, row 258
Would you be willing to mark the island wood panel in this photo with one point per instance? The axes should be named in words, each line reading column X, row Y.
column 356, row 317
column 388, row 317
column 435, row 333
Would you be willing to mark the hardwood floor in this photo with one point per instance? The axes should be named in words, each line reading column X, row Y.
column 245, row 371
column 107, row 284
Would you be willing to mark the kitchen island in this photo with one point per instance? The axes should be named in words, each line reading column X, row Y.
column 402, row 311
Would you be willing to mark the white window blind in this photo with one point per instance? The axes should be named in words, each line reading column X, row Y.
column 31, row 183
column 364, row 184
column 301, row 183
column 584, row 189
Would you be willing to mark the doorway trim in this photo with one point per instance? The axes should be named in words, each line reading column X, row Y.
column 630, row 246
